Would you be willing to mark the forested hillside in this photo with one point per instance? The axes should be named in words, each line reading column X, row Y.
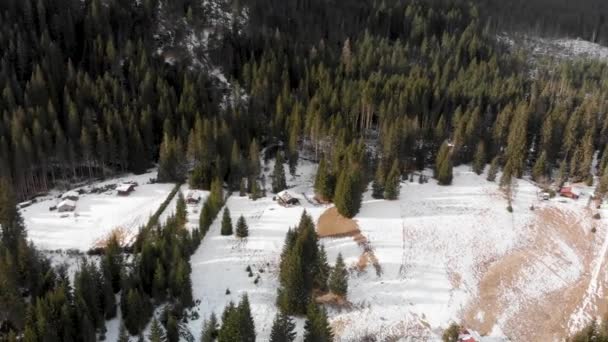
column 371, row 90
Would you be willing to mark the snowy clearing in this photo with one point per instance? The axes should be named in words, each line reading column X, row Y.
column 96, row 214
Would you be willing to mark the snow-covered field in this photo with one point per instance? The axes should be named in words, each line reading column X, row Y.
column 96, row 215
column 443, row 254
column 437, row 247
column 220, row 262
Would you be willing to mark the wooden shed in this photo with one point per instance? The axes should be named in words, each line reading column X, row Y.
column 125, row 189
column 66, row 206
column 286, row 199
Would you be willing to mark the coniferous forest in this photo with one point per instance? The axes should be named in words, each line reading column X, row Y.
column 373, row 91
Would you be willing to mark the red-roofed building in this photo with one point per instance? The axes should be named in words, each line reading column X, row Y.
column 568, row 191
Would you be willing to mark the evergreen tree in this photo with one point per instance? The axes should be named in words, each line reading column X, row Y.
column 226, row 222
column 242, row 230
column 246, row 324
column 172, row 329
column 348, row 193
column 230, row 329
column 156, row 332
column 391, row 190
column 493, row 171
column 317, row 328
column 283, row 329
column 278, row 175
column 209, row 332
column 443, row 165
column 123, row 335
column 479, row 161
column 338, row 280
column 378, row 184
column 324, row 187
column 539, row 170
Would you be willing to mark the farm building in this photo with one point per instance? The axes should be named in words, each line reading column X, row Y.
column 193, row 197
column 286, row 199
column 66, row 205
column 468, row 336
column 568, row 191
column 70, row 195
column 125, row 189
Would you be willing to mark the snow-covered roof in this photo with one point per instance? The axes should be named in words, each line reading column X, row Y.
column 67, row 202
column 124, row 187
column 70, row 194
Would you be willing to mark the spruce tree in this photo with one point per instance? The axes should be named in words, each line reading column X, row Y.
column 230, row 329
column 324, row 187
column 322, row 270
column 493, row 171
column 226, row 223
column 539, row 170
column 443, row 165
column 123, row 335
column 156, row 332
column 378, row 183
column 283, row 329
column 338, row 280
column 317, row 328
column 172, row 329
column 278, row 175
column 479, row 160
column 246, row 324
column 181, row 212
column 242, row 230
column 391, row 189
column 348, row 193
column 209, row 332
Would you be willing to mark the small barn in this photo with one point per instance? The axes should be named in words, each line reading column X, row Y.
column 66, row 206
column 125, row 189
column 193, row 197
column 569, row 192
column 286, row 199
column 467, row 335
column 70, row 195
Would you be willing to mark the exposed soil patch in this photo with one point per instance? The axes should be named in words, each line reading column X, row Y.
column 332, row 224
column 535, row 318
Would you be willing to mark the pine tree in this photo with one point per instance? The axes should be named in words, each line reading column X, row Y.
column 230, row 329
column 539, row 170
column 479, row 160
column 156, row 332
column 348, row 193
column 391, row 190
column 181, row 212
column 317, row 328
column 322, row 270
column 338, row 280
column 283, row 329
column 378, row 184
column 242, row 230
column 209, row 332
column 246, row 324
column 123, row 335
column 443, row 165
column 324, row 187
column 226, row 222
column 278, row 175
column 493, row 171
column 172, row 329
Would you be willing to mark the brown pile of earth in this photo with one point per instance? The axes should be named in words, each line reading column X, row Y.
column 332, row 224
